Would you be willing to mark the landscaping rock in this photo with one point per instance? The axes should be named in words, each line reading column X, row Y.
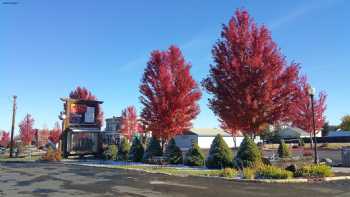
column 292, row 168
column 327, row 161
column 266, row 161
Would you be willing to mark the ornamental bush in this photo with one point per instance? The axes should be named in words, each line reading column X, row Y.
column 173, row 153
column 153, row 149
column 111, row 152
column 194, row 156
column 314, row 170
column 123, row 150
column 248, row 154
column 52, row 155
column 220, row 155
column 229, row 172
column 283, row 150
column 136, row 150
column 272, row 172
column 248, row 173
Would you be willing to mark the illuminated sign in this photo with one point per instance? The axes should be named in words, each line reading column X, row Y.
column 81, row 113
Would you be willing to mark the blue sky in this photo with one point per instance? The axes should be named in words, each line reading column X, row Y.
column 50, row 47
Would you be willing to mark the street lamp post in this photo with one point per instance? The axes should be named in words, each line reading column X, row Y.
column 312, row 93
column 62, row 117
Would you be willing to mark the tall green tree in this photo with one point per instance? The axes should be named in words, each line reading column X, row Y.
column 220, row 155
column 136, row 150
column 153, row 149
column 173, row 153
column 283, row 150
column 325, row 129
column 345, row 123
column 123, row 149
column 248, row 153
column 194, row 156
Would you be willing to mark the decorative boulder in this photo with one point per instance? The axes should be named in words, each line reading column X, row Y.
column 292, row 168
column 266, row 161
column 327, row 161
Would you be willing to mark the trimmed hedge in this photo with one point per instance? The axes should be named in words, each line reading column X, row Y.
column 220, row 155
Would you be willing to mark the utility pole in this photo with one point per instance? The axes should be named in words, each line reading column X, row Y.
column 13, row 124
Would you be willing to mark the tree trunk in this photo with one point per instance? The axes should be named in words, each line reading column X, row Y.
column 234, row 141
column 311, row 141
column 163, row 145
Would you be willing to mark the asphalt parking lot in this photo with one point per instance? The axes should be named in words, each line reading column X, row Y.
column 56, row 179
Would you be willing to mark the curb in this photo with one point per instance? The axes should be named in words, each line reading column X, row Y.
column 299, row 180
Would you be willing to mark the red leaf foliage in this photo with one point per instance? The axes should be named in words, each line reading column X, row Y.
column 55, row 135
column 251, row 83
column 5, row 139
column 303, row 111
column 83, row 93
column 129, row 122
column 43, row 136
column 26, row 129
column 169, row 94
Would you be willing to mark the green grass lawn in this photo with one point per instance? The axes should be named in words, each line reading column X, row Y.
column 6, row 158
column 174, row 171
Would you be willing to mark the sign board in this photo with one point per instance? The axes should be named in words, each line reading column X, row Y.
column 82, row 112
column 90, row 115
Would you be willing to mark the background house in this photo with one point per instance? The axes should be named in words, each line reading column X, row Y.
column 338, row 133
column 294, row 133
column 204, row 137
column 113, row 124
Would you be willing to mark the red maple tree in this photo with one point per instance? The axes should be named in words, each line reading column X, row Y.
column 129, row 122
column 55, row 135
column 5, row 139
column 169, row 94
column 85, row 94
column 250, row 81
column 43, row 136
column 26, row 130
column 303, row 112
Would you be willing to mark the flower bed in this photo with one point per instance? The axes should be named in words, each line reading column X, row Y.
column 260, row 173
column 319, row 170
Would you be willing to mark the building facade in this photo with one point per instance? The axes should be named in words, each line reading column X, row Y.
column 113, row 124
